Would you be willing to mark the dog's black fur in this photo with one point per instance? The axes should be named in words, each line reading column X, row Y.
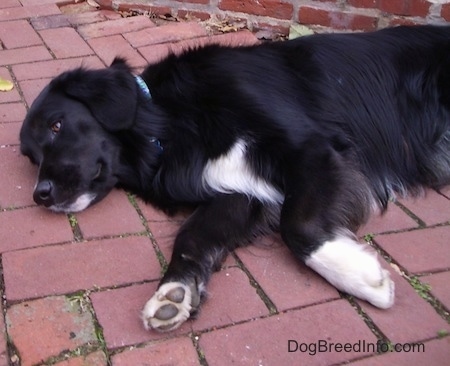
column 336, row 124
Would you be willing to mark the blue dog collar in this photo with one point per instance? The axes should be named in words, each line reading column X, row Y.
column 143, row 86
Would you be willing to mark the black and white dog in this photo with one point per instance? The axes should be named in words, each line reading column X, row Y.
column 308, row 137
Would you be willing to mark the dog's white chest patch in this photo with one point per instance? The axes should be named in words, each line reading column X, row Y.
column 231, row 173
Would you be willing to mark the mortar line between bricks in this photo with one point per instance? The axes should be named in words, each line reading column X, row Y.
column 411, row 229
column 93, row 289
column 422, row 224
column 10, row 347
column 74, row 242
column 200, row 354
column 86, row 348
column 42, row 40
column 198, row 333
column 261, row 293
column 99, row 334
column 437, row 306
column 159, row 254
column 76, row 230
column 18, row 88
column 367, row 319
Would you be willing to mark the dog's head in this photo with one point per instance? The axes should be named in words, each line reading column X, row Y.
column 69, row 132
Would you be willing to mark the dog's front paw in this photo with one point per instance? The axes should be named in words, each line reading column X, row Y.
column 170, row 306
column 379, row 290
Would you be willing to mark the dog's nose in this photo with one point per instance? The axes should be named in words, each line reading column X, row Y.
column 43, row 193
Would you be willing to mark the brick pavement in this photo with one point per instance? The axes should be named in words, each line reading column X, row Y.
column 73, row 286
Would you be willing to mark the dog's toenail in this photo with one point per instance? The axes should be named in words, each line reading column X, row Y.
column 163, row 328
column 166, row 312
column 176, row 295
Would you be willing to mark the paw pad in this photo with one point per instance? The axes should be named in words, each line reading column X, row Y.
column 169, row 307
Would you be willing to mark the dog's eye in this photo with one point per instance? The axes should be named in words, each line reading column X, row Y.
column 56, row 127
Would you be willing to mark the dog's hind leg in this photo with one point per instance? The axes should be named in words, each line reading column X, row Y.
column 201, row 245
column 325, row 201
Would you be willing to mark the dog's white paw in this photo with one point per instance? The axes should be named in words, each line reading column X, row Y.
column 169, row 307
column 379, row 289
column 352, row 268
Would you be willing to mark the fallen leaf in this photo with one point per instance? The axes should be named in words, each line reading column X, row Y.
column 6, row 85
column 298, row 30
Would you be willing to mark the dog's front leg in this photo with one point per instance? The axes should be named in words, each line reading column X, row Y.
column 201, row 245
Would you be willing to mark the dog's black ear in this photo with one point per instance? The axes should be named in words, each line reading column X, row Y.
column 110, row 94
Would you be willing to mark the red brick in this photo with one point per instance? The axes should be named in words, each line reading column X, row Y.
column 30, row 227
column 332, row 17
column 122, row 326
column 419, row 251
column 363, row 3
column 39, row 2
column 411, row 319
column 218, row 310
column 49, row 22
column 23, row 55
column 17, row 34
column 93, row 359
column 72, row 267
column 265, row 341
column 405, row 7
column 271, row 8
column 401, row 20
column 16, row 182
column 439, row 286
column 110, row 14
column 419, row 7
column 394, row 6
column 32, row 88
column 166, row 33
column 9, row 3
column 13, row 95
column 112, row 216
column 102, row 47
column 12, row 112
column 234, row 39
column 111, row 27
column 191, row 14
column 44, row 328
column 394, row 219
column 286, row 281
column 28, row 12
column 445, row 11
column 264, row 30
column 155, row 53
column 52, row 68
column 78, row 19
column 65, row 42
column 105, row 4
column 164, row 234
column 432, row 209
column 9, row 133
column 194, row 1
column 119, row 314
column 178, row 351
